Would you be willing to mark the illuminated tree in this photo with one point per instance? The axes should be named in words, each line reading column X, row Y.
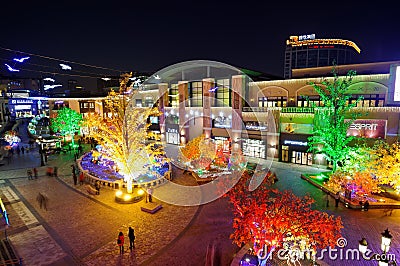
column 385, row 163
column 67, row 122
column 331, row 120
column 123, row 133
column 191, row 150
column 361, row 182
column 356, row 160
column 12, row 138
column 270, row 219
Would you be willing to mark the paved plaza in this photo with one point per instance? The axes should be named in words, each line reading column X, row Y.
column 81, row 229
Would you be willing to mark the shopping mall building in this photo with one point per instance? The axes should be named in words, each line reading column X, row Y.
column 271, row 118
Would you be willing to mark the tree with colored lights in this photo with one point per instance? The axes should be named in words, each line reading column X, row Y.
column 361, row 182
column 12, row 138
column 385, row 163
column 67, row 122
column 331, row 120
column 123, row 134
column 191, row 150
column 270, row 219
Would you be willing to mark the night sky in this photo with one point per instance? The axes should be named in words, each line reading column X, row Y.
column 149, row 35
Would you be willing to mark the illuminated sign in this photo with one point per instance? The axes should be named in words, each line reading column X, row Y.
column 295, row 128
column 307, row 37
column 368, row 128
column 295, row 142
column 254, row 125
column 21, row 101
column 253, row 148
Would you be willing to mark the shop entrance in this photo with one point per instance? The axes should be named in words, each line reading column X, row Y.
column 285, row 153
column 299, row 157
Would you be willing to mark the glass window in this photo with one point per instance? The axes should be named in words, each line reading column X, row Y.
column 222, row 93
column 173, row 95
column 196, row 94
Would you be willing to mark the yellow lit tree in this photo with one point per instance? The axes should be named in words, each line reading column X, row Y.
column 123, row 133
column 385, row 163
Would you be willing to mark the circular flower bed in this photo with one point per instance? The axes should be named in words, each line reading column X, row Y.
column 105, row 169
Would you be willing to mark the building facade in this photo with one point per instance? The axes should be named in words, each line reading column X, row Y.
column 270, row 119
column 305, row 51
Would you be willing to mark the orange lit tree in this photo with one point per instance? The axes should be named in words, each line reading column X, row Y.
column 270, row 219
column 123, row 133
column 361, row 182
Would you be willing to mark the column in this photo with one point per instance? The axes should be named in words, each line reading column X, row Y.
column 238, row 85
column 207, row 96
column 183, row 123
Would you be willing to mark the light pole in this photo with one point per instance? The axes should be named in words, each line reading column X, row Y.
column 384, row 259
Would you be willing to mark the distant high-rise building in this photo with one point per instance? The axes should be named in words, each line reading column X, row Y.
column 306, row 51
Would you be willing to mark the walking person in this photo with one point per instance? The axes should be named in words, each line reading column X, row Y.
column 35, row 172
column 23, row 150
column 149, row 193
column 131, row 235
column 29, row 173
column 366, row 205
column 81, row 178
column 327, row 199
column 97, row 187
column 120, row 242
column 74, row 176
column 337, row 199
column 55, row 171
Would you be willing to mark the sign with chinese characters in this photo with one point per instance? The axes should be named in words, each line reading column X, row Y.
column 307, row 37
column 368, row 128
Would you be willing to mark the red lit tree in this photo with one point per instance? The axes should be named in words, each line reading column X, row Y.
column 273, row 219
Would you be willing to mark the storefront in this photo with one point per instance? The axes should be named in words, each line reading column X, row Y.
column 23, row 107
column 293, row 148
column 172, row 134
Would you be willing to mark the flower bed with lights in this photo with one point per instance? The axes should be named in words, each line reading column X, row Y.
column 104, row 170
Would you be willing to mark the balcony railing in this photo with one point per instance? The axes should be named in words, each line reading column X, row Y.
column 281, row 109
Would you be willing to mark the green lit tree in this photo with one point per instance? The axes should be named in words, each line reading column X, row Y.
column 67, row 122
column 332, row 120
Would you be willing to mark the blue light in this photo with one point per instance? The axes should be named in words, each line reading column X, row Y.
column 11, row 69
column 21, row 60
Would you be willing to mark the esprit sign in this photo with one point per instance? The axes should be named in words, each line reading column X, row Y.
column 360, row 126
column 368, row 128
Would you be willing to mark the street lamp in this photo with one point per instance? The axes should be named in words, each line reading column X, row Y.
column 383, row 259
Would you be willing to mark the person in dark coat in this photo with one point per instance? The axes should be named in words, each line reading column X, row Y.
column 337, row 199
column 131, row 235
column 366, row 205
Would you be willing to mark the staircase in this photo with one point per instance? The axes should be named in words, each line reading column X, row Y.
column 8, row 256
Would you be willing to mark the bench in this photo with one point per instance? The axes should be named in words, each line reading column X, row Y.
column 151, row 208
column 91, row 190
